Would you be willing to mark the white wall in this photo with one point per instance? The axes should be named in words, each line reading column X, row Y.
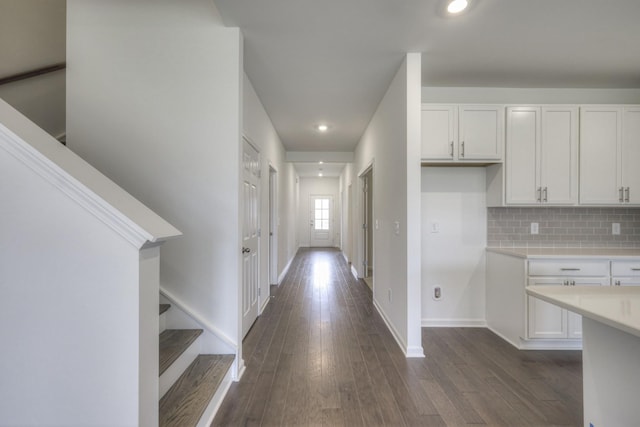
column 33, row 35
column 348, row 225
column 154, row 92
column 257, row 127
column 317, row 187
column 391, row 143
column 453, row 254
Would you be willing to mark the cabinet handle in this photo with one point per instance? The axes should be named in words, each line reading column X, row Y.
column 565, row 283
column 462, row 152
column 621, row 194
column 635, row 269
column 617, row 282
column 452, row 149
column 539, row 198
column 569, row 269
column 626, row 194
column 573, row 283
column 545, row 194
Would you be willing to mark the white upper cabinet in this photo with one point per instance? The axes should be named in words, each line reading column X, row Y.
column 462, row 133
column 439, row 131
column 609, row 154
column 542, row 155
column 481, row 129
column 631, row 155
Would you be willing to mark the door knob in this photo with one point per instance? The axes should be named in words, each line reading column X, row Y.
column 246, row 250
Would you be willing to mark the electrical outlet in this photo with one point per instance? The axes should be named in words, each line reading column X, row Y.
column 615, row 228
column 534, row 228
column 437, row 293
column 435, row 227
column 396, row 228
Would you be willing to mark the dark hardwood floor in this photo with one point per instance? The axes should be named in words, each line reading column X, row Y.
column 321, row 355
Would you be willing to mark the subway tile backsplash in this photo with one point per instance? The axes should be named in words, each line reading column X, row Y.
column 563, row 227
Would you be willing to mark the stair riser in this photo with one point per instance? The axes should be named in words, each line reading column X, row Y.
column 173, row 372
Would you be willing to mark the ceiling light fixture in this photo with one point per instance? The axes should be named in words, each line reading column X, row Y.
column 322, row 128
column 320, row 174
column 457, row 6
column 320, row 162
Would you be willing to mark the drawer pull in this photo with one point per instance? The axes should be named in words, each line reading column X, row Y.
column 569, row 269
column 635, row 269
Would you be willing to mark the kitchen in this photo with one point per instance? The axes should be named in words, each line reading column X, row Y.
column 550, row 198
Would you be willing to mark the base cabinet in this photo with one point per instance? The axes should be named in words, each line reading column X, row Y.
column 548, row 321
column 533, row 324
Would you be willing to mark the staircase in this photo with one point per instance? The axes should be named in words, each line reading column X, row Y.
column 189, row 381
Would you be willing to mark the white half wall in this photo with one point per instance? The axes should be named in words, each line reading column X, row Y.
column 154, row 101
column 391, row 144
column 33, row 35
column 454, row 238
column 317, row 187
column 70, row 310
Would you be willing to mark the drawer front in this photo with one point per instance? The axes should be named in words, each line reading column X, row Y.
column 625, row 268
column 574, row 268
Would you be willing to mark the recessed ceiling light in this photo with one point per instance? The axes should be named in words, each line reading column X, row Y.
column 457, row 6
column 322, row 128
column 320, row 162
column 320, row 174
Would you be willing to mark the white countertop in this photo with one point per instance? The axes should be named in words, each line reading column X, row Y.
column 609, row 253
column 615, row 306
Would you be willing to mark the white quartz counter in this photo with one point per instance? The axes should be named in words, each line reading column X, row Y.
column 615, row 306
column 582, row 253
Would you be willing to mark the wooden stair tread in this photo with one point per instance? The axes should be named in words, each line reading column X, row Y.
column 164, row 307
column 186, row 400
column 173, row 342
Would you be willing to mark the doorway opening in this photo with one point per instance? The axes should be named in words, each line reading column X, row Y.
column 367, row 228
column 321, row 221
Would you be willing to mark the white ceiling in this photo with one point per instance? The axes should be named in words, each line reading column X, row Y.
column 331, row 61
column 311, row 170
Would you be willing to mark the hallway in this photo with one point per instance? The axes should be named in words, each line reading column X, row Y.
column 321, row 355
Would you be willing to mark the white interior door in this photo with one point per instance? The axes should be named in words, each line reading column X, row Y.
column 321, row 221
column 250, row 235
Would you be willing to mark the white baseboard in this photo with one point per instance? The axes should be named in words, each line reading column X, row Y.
column 454, row 323
column 204, row 324
column 541, row 344
column 285, row 270
column 354, row 272
column 407, row 351
column 238, row 369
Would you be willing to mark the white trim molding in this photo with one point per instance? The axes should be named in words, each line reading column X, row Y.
column 81, row 182
column 454, row 323
column 409, row 352
column 202, row 321
column 285, row 270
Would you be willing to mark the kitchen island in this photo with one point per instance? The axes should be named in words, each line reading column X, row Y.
column 610, row 349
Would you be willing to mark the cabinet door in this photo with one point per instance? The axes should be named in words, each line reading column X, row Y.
column 631, row 154
column 439, row 137
column 559, row 156
column 574, row 320
column 600, row 139
column 546, row 320
column 523, row 155
column 481, row 133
